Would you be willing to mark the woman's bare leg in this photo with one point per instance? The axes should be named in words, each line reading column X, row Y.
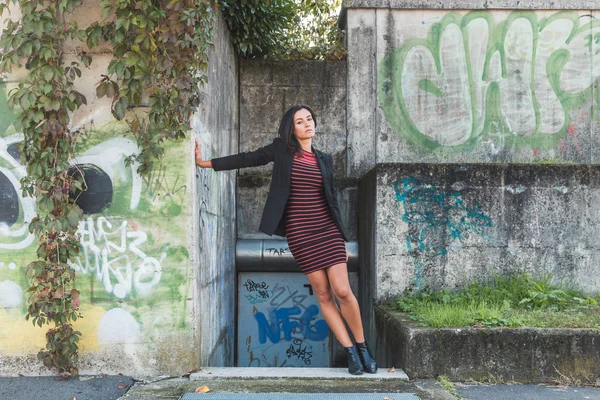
column 338, row 279
column 322, row 289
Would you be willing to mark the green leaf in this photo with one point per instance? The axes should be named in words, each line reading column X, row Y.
column 131, row 58
column 24, row 101
column 109, row 89
column 86, row 60
column 119, row 36
column 38, row 116
column 119, row 110
column 101, row 90
column 26, row 49
column 48, row 74
column 73, row 217
column 122, row 23
column 81, row 35
column 38, row 29
column 55, row 105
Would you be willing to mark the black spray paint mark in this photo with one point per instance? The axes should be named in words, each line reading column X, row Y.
column 252, row 286
column 297, row 350
column 97, row 191
column 13, row 150
column 9, row 201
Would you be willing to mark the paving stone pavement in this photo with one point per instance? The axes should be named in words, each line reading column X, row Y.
column 223, row 382
column 53, row 388
column 526, row 392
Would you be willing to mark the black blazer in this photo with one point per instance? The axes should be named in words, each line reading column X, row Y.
column 272, row 221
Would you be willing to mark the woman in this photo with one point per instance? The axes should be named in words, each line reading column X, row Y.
column 302, row 206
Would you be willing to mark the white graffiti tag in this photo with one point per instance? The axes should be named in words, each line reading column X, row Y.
column 114, row 254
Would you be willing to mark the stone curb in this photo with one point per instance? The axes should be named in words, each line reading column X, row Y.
column 295, row 373
column 174, row 388
column 525, row 355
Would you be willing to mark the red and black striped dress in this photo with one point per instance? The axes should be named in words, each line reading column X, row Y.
column 313, row 237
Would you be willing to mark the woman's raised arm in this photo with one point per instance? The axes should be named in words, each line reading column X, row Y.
column 262, row 156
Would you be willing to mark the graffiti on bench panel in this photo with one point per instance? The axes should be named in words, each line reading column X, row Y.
column 280, row 324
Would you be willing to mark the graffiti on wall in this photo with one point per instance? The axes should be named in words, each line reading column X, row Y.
column 133, row 259
column 279, row 322
column 478, row 80
column 434, row 213
column 113, row 255
column 15, row 210
column 438, row 219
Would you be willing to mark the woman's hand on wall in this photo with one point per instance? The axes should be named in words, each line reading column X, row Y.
column 198, row 152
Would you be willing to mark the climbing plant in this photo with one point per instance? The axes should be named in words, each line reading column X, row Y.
column 45, row 98
column 160, row 55
column 159, row 59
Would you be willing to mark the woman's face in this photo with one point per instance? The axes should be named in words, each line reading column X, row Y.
column 304, row 126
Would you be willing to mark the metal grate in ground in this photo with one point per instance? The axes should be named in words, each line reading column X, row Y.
column 299, row 396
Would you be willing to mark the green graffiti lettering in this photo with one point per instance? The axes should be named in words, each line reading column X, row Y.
column 476, row 82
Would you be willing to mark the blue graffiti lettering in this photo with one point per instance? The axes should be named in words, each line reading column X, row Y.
column 320, row 331
column 434, row 213
column 268, row 329
column 283, row 315
column 262, row 296
column 281, row 321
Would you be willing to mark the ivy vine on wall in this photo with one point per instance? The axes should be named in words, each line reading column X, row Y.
column 45, row 98
column 160, row 54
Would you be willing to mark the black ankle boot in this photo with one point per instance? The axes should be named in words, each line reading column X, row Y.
column 366, row 358
column 354, row 364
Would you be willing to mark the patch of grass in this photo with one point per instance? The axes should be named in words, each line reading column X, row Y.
column 449, row 386
column 492, row 380
column 515, row 300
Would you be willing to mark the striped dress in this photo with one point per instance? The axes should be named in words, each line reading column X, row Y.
column 313, row 237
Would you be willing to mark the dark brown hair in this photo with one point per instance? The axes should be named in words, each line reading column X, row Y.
column 286, row 127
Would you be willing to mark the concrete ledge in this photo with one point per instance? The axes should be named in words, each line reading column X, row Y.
column 297, row 373
column 528, row 355
column 474, row 4
column 466, row 5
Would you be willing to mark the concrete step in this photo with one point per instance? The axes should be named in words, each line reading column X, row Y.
column 281, row 383
column 294, row 373
column 302, row 396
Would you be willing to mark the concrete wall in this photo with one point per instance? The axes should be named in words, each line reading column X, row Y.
column 152, row 258
column 471, row 85
column 473, row 127
column 216, row 126
column 443, row 226
column 267, row 90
